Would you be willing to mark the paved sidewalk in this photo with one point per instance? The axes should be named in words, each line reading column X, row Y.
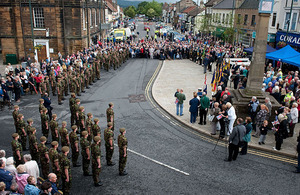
column 189, row 76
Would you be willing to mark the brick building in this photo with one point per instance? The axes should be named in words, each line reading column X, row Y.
column 54, row 25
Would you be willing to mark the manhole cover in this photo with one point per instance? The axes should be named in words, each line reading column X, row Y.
column 137, row 98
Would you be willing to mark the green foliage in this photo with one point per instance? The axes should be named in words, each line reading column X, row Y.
column 130, row 11
column 229, row 34
column 150, row 9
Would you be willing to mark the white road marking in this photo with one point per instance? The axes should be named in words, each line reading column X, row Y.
column 157, row 162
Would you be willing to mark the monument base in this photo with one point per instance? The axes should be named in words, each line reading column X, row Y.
column 242, row 97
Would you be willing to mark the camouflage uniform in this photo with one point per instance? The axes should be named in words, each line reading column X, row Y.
column 15, row 116
column 96, row 130
column 20, row 130
column 45, row 129
column 33, row 148
column 73, row 140
column 54, row 130
column 53, row 83
column 109, row 135
column 59, row 91
column 71, row 104
column 81, row 120
column 96, row 154
column 16, row 146
column 85, row 144
column 109, row 114
column 122, row 143
column 54, row 158
column 65, row 164
column 88, row 126
column 43, row 160
column 63, row 132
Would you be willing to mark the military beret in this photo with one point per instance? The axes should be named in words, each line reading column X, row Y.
column 97, row 138
column 109, row 124
column 89, row 114
column 74, row 127
column 96, row 120
column 44, row 109
column 84, row 133
column 81, row 108
column 16, row 106
column 32, row 129
column 43, row 139
column 122, row 130
column 14, row 135
column 29, row 120
column 54, row 115
column 54, row 143
column 65, row 149
column 20, row 115
column 110, row 104
column 41, row 100
column 64, row 123
column 72, row 94
column 77, row 100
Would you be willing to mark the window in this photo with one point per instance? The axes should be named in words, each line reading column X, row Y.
column 39, row 21
column 239, row 19
column 96, row 17
column 294, row 19
column 274, row 19
column 287, row 19
column 223, row 19
column 253, row 20
column 83, row 19
column 227, row 18
column 245, row 19
column 91, row 22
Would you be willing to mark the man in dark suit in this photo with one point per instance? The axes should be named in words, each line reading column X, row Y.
column 47, row 104
column 194, row 103
column 235, row 137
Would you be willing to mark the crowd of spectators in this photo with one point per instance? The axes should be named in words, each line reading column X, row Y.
column 25, row 178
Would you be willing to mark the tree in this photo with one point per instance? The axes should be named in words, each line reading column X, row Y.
column 151, row 13
column 130, row 11
column 141, row 7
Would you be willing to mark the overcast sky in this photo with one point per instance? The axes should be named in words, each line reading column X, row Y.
column 168, row 1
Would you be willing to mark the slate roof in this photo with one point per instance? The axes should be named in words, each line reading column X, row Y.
column 210, row 3
column 196, row 11
column 188, row 9
column 225, row 4
column 249, row 4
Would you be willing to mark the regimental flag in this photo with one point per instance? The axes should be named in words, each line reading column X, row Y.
column 205, row 89
column 214, row 82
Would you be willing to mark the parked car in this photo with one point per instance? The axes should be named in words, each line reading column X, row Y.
column 146, row 27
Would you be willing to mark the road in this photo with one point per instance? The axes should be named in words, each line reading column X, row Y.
column 163, row 158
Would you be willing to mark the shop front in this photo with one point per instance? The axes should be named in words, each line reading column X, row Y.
column 292, row 39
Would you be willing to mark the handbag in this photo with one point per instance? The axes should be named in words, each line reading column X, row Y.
column 210, row 117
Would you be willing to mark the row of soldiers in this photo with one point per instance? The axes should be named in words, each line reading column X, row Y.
column 78, row 77
column 89, row 132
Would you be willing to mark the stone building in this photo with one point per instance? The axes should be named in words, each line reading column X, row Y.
column 42, row 28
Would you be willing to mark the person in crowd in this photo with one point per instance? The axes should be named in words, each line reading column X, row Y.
column 263, row 132
column 46, row 188
column 3, row 188
column 231, row 116
column 298, row 151
column 21, row 178
column 261, row 116
column 31, row 166
column 279, row 132
column 294, row 118
column 179, row 106
column 31, row 188
column 235, row 138
column 14, row 189
column 223, row 119
column 11, row 167
column 214, row 113
column 2, row 155
column 253, row 107
column 247, row 137
column 52, row 178
column 204, row 105
column 5, row 176
column 194, row 103
column 269, row 105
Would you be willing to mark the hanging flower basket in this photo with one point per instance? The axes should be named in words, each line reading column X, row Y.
column 38, row 47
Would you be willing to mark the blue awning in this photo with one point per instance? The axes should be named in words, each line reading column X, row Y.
column 269, row 49
column 284, row 53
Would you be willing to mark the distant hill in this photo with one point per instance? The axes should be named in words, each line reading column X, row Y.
column 124, row 3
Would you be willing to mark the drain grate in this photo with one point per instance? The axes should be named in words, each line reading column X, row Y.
column 137, row 98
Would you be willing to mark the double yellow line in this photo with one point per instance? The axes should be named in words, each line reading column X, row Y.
column 206, row 138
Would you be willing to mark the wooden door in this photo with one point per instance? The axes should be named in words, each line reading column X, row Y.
column 42, row 55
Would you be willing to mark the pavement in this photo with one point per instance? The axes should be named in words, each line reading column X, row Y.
column 186, row 75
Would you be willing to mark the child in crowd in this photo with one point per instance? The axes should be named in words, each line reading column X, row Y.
column 263, row 132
